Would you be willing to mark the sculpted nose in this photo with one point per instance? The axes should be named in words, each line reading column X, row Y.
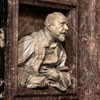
column 65, row 27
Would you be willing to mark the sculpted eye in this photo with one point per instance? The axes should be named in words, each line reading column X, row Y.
column 62, row 23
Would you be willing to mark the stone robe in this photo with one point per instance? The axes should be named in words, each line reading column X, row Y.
column 37, row 60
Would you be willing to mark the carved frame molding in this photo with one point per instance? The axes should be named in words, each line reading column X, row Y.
column 11, row 89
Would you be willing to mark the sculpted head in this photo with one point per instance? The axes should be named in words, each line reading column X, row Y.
column 56, row 23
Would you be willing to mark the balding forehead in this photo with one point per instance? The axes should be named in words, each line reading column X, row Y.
column 62, row 19
column 57, row 15
column 51, row 18
column 59, row 19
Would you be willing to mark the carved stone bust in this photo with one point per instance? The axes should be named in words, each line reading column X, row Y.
column 41, row 57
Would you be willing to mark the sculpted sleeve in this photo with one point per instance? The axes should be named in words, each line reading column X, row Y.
column 64, row 72
column 25, row 48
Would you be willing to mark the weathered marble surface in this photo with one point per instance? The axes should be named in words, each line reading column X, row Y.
column 11, row 51
column 89, row 50
column 41, row 57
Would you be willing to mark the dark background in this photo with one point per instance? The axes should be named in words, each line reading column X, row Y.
column 3, row 11
column 3, row 17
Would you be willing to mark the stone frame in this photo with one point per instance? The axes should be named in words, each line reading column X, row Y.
column 11, row 90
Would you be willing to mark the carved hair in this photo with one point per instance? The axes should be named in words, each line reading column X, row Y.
column 52, row 17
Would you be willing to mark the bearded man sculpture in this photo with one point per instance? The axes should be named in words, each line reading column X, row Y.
column 41, row 57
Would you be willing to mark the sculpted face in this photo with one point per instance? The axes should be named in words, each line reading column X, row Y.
column 58, row 27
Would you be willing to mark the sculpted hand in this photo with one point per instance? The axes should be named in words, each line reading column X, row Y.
column 51, row 73
column 37, row 81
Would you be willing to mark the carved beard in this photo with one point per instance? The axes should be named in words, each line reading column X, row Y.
column 62, row 37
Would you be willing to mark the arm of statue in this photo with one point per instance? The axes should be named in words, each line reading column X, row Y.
column 59, row 77
column 64, row 80
column 36, row 81
column 30, row 52
column 25, row 49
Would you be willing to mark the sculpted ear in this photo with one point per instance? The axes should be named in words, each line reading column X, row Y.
column 51, row 27
column 48, row 25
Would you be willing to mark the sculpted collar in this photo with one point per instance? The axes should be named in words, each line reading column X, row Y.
column 44, row 41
